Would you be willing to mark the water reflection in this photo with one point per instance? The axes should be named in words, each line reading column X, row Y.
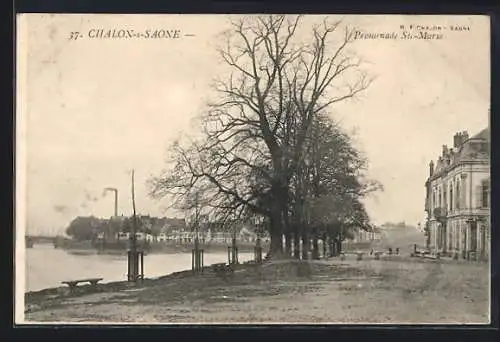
column 48, row 267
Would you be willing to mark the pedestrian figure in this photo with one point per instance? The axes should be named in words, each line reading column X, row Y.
column 371, row 252
column 397, row 251
column 390, row 251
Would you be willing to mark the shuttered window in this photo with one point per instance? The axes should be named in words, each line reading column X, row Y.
column 478, row 197
column 463, row 193
column 485, row 194
column 473, row 236
column 445, row 197
column 451, row 196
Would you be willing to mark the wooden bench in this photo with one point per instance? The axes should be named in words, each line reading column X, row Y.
column 471, row 255
column 421, row 253
column 222, row 269
column 73, row 283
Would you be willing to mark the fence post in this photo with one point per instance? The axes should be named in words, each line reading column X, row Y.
column 192, row 260
column 129, row 264
column 202, row 259
column 142, row 266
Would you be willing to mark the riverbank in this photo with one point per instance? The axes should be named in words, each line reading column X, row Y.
column 88, row 248
column 40, row 272
column 396, row 289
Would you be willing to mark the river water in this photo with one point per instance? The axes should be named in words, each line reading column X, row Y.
column 47, row 267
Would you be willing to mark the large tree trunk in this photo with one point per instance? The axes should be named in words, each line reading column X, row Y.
column 338, row 246
column 276, row 232
column 315, row 252
column 331, row 247
column 288, row 244
column 305, row 245
column 296, row 242
column 278, row 204
column 324, row 246
column 286, row 223
column 276, row 223
column 276, row 248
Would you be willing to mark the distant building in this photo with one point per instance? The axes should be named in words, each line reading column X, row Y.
column 210, row 232
column 125, row 236
column 175, row 230
column 171, row 224
column 162, row 237
column 458, row 198
column 376, row 234
column 368, row 233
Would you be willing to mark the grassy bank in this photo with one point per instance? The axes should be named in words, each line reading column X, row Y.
column 396, row 289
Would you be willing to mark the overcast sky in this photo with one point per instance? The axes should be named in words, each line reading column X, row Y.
column 90, row 110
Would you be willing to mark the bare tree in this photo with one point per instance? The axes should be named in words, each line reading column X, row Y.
column 256, row 127
column 328, row 185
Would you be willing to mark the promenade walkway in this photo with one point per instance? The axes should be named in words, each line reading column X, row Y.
column 395, row 289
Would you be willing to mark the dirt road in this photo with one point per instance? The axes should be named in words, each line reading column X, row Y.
column 396, row 289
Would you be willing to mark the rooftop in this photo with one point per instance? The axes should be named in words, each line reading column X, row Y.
column 483, row 135
column 465, row 149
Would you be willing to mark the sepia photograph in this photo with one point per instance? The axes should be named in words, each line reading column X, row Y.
column 252, row 169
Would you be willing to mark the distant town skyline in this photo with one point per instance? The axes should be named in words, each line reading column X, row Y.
column 91, row 110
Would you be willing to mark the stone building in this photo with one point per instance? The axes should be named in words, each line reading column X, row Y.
column 458, row 198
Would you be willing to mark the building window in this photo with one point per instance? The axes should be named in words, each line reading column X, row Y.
column 473, row 237
column 485, row 194
column 451, row 196
column 483, row 147
column 457, row 196
column 483, row 240
column 445, row 198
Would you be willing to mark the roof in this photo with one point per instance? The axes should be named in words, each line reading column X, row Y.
column 476, row 148
column 171, row 224
column 483, row 135
column 470, row 149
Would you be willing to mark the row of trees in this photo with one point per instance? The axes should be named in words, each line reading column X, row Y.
column 269, row 150
column 84, row 228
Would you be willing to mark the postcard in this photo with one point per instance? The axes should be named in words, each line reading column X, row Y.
column 252, row 169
